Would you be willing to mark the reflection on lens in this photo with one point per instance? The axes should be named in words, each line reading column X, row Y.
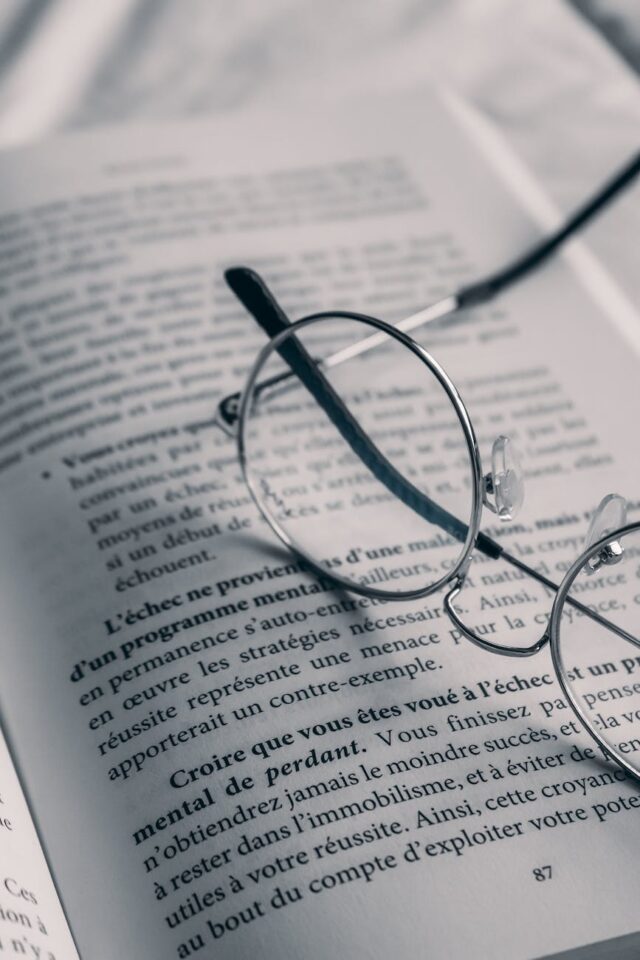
column 375, row 482
column 503, row 605
column 598, row 659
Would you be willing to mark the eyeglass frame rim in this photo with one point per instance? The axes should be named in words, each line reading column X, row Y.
column 464, row 419
column 457, row 578
column 457, row 573
column 554, row 641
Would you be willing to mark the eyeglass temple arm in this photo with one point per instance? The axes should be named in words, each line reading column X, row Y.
column 481, row 291
column 486, row 289
column 254, row 294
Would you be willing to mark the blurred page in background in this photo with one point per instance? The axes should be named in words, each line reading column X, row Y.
column 555, row 89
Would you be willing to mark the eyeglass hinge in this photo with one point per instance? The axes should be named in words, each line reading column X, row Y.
column 227, row 414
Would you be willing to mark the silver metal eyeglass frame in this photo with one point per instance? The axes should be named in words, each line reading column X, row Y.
column 233, row 413
column 473, row 539
column 600, row 550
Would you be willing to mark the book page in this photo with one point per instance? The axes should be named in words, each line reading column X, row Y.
column 226, row 753
column 32, row 921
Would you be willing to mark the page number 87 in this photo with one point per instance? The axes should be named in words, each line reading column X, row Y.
column 542, row 873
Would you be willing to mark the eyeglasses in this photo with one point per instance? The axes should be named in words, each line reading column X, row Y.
column 361, row 456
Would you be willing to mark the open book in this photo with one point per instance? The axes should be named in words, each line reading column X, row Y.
column 220, row 756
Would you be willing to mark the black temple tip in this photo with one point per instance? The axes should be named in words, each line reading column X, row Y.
column 240, row 278
column 255, row 296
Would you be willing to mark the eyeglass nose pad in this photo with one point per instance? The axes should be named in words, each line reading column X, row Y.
column 610, row 515
column 505, row 483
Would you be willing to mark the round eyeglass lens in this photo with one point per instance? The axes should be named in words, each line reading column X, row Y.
column 595, row 644
column 365, row 467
